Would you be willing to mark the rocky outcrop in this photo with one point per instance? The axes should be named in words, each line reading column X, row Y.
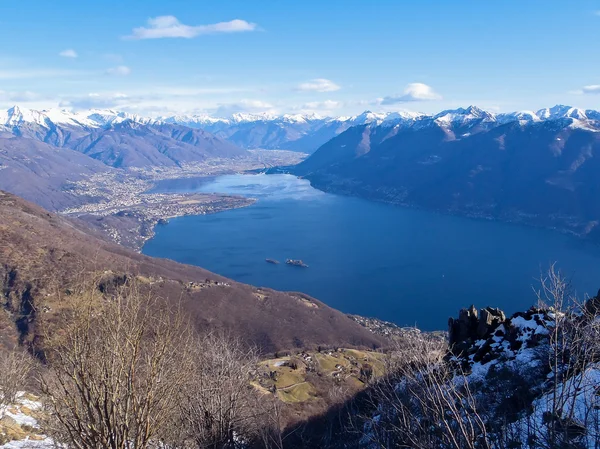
column 480, row 337
column 472, row 325
column 489, row 319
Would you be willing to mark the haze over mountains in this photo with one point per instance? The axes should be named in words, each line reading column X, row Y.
column 43, row 152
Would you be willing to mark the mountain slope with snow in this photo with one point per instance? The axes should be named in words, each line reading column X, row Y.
column 117, row 138
column 306, row 133
column 296, row 132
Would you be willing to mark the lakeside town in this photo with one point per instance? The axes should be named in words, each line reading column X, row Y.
column 123, row 207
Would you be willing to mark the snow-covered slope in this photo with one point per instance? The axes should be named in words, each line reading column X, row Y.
column 48, row 118
column 462, row 116
column 522, row 117
column 16, row 115
column 299, row 132
column 19, row 425
column 562, row 111
column 529, row 381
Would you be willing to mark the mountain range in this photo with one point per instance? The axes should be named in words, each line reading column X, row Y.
column 43, row 152
column 296, row 132
column 118, row 139
column 307, row 133
column 537, row 168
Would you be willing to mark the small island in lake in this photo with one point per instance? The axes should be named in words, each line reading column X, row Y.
column 273, row 261
column 297, row 263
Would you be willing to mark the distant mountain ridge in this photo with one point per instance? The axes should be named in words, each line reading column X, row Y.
column 296, row 132
column 42, row 153
column 308, row 132
column 117, row 139
column 39, row 172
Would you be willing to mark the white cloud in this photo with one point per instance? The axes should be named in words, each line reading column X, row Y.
column 327, row 104
column 592, row 89
column 412, row 92
column 319, row 108
column 255, row 104
column 120, row 70
column 68, row 53
column 169, row 26
column 318, row 85
column 156, row 100
column 201, row 91
column 27, row 99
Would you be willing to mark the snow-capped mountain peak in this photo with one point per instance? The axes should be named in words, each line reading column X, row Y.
column 300, row 118
column 463, row 115
column 394, row 118
column 242, row 117
column 562, row 111
column 15, row 116
column 48, row 118
column 108, row 117
column 523, row 117
column 194, row 121
column 301, row 124
column 368, row 117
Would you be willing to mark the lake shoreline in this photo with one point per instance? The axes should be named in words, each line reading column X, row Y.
column 518, row 220
column 369, row 258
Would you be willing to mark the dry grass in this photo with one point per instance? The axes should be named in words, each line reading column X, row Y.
column 298, row 393
column 313, row 374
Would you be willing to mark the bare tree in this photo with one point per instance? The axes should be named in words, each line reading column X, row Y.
column 218, row 406
column 269, row 421
column 16, row 367
column 425, row 402
column 570, row 412
column 116, row 370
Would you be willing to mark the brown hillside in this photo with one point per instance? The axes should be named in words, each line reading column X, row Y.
column 42, row 255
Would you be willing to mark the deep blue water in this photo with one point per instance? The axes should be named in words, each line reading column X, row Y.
column 402, row 265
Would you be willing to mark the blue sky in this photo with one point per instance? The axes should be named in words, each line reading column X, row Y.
column 330, row 57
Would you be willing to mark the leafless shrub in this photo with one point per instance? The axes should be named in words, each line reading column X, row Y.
column 570, row 414
column 116, row 370
column 428, row 402
column 269, row 422
column 218, row 406
column 425, row 403
column 16, row 367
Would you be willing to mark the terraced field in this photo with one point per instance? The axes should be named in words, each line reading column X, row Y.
column 309, row 376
